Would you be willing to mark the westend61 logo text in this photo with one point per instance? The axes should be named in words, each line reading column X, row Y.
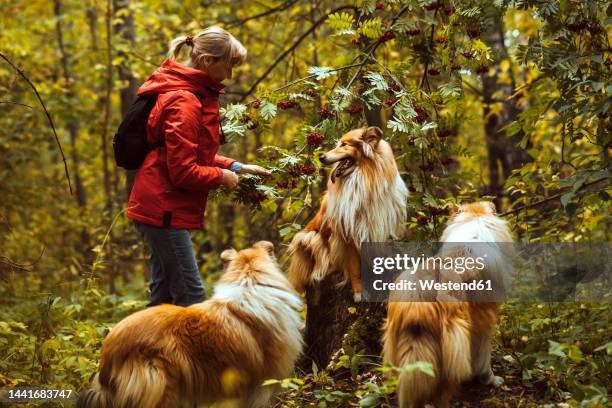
column 412, row 264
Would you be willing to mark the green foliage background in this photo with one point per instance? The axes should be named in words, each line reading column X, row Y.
column 506, row 99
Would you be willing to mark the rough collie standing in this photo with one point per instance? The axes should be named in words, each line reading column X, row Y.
column 454, row 336
column 223, row 348
column 365, row 201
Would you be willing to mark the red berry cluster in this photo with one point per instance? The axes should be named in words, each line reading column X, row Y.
column 257, row 197
column 474, row 31
column 421, row 116
column 428, row 166
column 387, row 36
column 483, row 69
column 433, row 71
column 436, row 210
column 380, row 5
column 411, row 140
column 413, row 32
column 325, row 113
column 420, row 47
column 361, row 39
column 577, row 27
column 285, row 184
column 394, row 87
column 432, row 6
column 467, row 54
column 256, row 103
column 245, row 118
column 300, row 170
column 411, row 188
column 315, row 139
column 449, row 11
column 357, row 107
column 447, row 161
column 442, row 39
column 390, row 102
column 446, row 132
column 422, row 219
column 309, row 92
column 287, row 104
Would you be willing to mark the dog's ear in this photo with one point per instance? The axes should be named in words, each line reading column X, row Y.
column 372, row 135
column 227, row 256
column 491, row 206
column 266, row 246
column 453, row 208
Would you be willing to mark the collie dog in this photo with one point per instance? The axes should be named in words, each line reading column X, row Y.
column 365, row 201
column 218, row 350
column 453, row 336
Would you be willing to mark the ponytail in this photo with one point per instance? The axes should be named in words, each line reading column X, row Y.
column 175, row 47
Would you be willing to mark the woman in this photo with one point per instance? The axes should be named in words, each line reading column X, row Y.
column 170, row 189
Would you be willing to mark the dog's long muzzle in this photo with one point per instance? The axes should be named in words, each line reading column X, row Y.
column 342, row 165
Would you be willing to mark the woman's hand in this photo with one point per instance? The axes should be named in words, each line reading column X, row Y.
column 230, row 180
column 254, row 169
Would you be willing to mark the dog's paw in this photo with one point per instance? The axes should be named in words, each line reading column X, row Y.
column 357, row 297
column 495, row 381
column 490, row 379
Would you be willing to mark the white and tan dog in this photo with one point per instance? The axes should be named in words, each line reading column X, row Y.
column 365, row 201
column 221, row 349
column 453, row 336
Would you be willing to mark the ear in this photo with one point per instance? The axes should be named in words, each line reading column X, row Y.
column 266, row 246
column 227, row 256
column 491, row 206
column 204, row 61
column 452, row 208
column 372, row 135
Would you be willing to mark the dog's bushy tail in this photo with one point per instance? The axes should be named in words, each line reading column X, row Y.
column 136, row 383
column 308, row 253
column 415, row 332
column 94, row 397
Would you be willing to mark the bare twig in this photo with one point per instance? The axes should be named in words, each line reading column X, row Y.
column 424, row 80
column 281, row 7
column 297, row 81
column 375, row 46
column 20, row 266
column 551, row 198
column 293, row 47
column 16, row 103
column 20, row 72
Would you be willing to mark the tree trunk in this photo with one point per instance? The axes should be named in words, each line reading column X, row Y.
column 124, row 28
column 334, row 321
column 72, row 127
column 504, row 154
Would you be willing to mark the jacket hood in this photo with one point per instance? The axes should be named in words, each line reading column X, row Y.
column 174, row 76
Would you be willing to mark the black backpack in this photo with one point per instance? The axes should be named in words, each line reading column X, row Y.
column 130, row 142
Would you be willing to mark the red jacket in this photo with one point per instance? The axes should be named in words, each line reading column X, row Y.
column 171, row 186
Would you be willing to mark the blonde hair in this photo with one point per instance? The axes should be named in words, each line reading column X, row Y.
column 212, row 42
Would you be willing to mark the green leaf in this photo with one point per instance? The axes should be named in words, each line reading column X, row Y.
column 321, row 72
column 340, row 21
column 372, row 28
column 556, row 349
column 268, row 110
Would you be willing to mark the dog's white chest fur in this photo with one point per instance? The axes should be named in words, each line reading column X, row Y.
column 363, row 210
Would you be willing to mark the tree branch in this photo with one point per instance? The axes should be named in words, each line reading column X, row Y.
column 16, row 103
column 281, row 7
column 375, row 46
column 20, row 72
column 291, row 48
column 551, row 198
